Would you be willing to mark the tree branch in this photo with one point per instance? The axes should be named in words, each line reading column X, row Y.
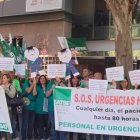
column 114, row 8
column 111, row 6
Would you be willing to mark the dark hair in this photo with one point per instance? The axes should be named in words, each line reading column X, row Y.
column 22, row 81
column 120, row 87
column 30, row 48
column 86, row 69
column 39, row 84
column 8, row 77
column 63, row 50
column 78, row 83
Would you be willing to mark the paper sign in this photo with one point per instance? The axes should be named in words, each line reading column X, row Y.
column 115, row 73
column 56, row 70
column 63, row 42
column 134, row 77
column 5, row 124
column 43, row 5
column 99, row 86
column 6, row 63
column 20, row 69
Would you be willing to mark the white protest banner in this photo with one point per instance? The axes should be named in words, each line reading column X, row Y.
column 5, row 124
column 6, row 63
column 115, row 73
column 43, row 5
column 56, row 70
column 134, row 77
column 99, row 86
column 114, row 113
column 20, row 69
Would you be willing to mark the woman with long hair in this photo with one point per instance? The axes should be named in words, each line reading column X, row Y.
column 74, row 82
column 41, row 110
column 123, row 85
column 10, row 92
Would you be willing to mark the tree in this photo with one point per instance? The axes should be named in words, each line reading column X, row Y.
column 122, row 17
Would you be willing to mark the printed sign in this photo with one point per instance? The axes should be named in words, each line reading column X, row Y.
column 114, row 113
column 63, row 42
column 134, row 77
column 56, row 70
column 6, row 63
column 98, row 86
column 5, row 124
column 115, row 73
column 20, row 69
column 43, row 5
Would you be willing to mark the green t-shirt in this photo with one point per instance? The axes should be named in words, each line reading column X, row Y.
column 41, row 101
column 30, row 96
column 50, row 98
column 17, row 85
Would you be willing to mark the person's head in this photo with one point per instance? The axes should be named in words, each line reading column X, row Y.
column 97, row 76
column 74, row 81
column 124, row 84
column 12, row 74
column 6, row 79
column 85, row 73
column 31, row 53
column 42, row 80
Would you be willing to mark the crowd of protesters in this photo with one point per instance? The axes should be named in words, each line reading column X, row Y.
column 35, row 118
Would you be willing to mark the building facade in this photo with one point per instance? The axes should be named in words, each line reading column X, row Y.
column 91, row 20
column 24, row 19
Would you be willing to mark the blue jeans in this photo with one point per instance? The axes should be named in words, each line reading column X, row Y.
column 56, row 135
column 27, row 124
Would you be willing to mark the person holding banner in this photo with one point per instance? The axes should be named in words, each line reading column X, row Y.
column 85, row 78
column 84, row 83
column 98, row 76
column 123, row 85
column 56, row 135
column 41, row 109
column 28, row 112
column 10, row 92
column 74, row 82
